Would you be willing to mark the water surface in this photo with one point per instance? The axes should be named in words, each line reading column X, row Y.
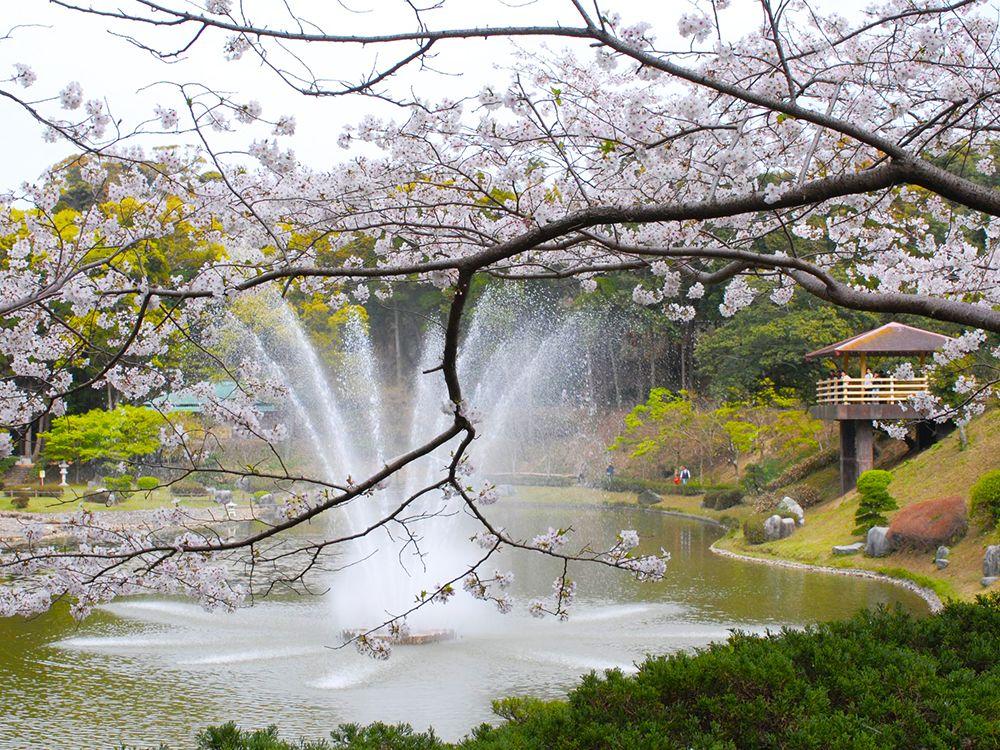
column 151, row 670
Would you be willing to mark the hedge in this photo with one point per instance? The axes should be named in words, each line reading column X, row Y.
column 883, row 679
column 798, row 472
column 534, row 480
column 187, row 489
column 722, row 499
column 660, row 486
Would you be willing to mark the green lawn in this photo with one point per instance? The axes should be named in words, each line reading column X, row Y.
column 690, row 504
column 941, row 470
column 139, row 500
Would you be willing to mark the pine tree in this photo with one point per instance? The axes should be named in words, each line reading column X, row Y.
column 875, row 500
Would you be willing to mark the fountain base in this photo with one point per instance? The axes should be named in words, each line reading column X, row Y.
column 417, row 638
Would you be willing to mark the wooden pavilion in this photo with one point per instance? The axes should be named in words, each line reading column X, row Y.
column 856, row 400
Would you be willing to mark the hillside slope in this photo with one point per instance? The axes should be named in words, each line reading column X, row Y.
column 942, row 470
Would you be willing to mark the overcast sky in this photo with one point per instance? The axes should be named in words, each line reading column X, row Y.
column 69, row 46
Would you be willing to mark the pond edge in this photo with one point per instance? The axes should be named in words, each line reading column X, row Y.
column 928, row 595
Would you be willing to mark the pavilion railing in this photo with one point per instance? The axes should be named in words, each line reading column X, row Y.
column 868, row 390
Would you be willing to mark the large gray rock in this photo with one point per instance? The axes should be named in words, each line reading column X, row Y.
column 991, row 561
column 787, row 527
column 941, row 557
column 648, row 497
column 877, row 542
column 788, row 505
column 988, row 581
column 772, row 528
column 848, row 549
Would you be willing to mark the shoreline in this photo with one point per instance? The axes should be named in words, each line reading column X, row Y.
column 933, row 601
column 930, row 596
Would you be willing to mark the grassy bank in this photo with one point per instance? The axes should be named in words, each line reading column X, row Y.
column 942, row 470
column 73, row 495
column 687, row 504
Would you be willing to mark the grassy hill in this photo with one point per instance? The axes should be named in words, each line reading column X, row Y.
column 942, row 470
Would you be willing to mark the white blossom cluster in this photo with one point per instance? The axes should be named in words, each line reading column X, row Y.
column 446, row 183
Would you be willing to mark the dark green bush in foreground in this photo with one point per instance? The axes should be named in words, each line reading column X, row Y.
column 880, row 680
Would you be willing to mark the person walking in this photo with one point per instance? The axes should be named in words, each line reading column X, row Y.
column 685, row 475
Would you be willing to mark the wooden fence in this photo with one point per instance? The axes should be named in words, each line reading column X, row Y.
column 868, row 390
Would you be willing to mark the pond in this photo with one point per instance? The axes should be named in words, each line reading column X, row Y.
column 151, row 670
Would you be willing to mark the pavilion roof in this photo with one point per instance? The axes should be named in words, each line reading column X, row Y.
column 892, row 339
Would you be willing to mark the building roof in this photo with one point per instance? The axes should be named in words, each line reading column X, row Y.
column 186, row 401
column 892, row 339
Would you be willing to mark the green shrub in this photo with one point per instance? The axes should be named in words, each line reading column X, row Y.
column 19, row 499
column 753, row 528
column 722, row 499
column 883, row 679
column 120, row 486
column 756, row 478
column 659, row 486
column 985, row 496
column 7, row 463
column 375, row 736
column 187, row 489
column 875, row 500
column 147, row 484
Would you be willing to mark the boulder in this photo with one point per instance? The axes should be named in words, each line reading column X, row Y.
column 788, row 505
column 223, row 496
column 848, row 549
column 787, row 527
column 772, row 528
column 877, row 542
column 648, row 497
column 941, row 557
column 988, row 581
column 991, row 561
column 929, row 524
column 266, row 499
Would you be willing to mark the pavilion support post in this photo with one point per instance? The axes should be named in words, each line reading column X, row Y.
column 857, row 451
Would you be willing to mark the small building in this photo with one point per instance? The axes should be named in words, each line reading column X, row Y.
column 857, row 395
column 185, row 401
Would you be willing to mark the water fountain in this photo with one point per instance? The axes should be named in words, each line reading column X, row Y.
column 277, row 662
column 339, row 417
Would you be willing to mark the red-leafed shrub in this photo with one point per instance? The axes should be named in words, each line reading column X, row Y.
column 927, row 525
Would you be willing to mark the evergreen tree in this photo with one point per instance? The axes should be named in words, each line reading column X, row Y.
column 875, row 500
